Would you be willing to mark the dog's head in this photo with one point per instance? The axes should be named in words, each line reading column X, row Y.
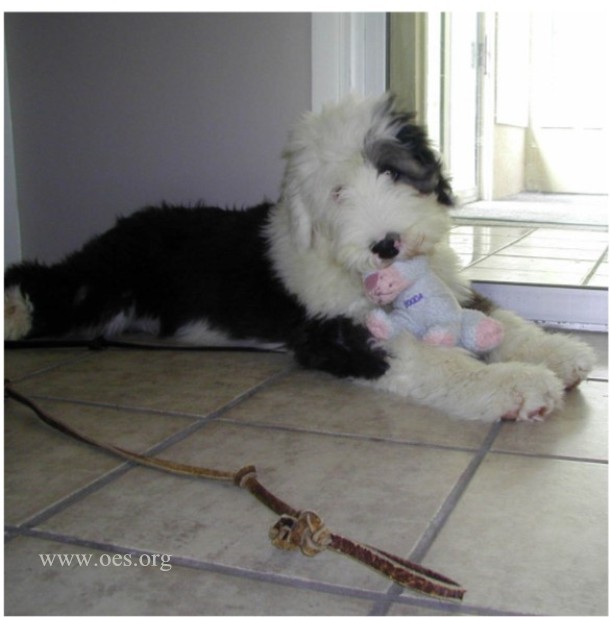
column 362, row 179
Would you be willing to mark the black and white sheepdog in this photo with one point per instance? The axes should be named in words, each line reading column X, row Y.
column 361, row 188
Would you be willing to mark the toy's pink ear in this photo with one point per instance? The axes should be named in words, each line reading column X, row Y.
column 370, row 282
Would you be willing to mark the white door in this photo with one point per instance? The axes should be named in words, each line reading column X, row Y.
column 460, row 92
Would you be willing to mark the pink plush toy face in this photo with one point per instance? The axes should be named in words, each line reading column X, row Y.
column 383, row 286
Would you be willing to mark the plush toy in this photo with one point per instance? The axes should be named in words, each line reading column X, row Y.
column 425, row 306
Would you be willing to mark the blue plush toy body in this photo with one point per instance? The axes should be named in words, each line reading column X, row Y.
column 424, row 305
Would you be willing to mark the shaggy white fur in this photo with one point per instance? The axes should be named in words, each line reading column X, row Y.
column 334, row 205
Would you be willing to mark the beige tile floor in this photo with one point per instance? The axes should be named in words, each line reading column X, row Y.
column 516, row 253
column 517, row 513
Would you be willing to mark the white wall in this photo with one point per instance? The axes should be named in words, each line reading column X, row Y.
column 567, row 144
column 512, row 101
column 112, row 112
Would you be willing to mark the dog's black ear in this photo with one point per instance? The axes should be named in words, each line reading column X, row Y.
column 407, row 155
column 419, row 167
column 403, row 164
column 414, row 139
column 444, row 194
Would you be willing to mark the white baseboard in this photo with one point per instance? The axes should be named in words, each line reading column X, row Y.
column 574, row 308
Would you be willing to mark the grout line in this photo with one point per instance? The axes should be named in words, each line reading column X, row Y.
column 465, row 221
column 65, row 502
column 106, row 478
column 589, row 276
column 444, row 607
column 553, row 457
column 78, row 357
column 274, row 578
column 496, row 251
column 116, row 406
column 162, row 412
column 402, row 442
column 250, row 393
column 440, row 518
column 354, row 436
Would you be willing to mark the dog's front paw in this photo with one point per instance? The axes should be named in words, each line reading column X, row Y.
column 569, row 358
column 522, row 392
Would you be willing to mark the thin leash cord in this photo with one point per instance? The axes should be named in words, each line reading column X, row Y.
column 295, row 529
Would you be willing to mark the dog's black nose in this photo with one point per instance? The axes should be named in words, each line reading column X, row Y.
column 388, row 247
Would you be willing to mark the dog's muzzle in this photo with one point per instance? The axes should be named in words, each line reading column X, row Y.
column 387, row 248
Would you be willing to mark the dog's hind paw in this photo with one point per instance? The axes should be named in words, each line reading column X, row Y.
column 524, row 392
column 569, row 358
column 18, row 312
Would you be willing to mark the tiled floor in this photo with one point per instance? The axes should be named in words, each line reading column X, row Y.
column 504, row 252
column 516, row 513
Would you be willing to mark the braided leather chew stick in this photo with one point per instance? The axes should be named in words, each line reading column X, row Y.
column 295, row 529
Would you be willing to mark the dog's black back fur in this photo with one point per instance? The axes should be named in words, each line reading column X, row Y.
column 180, row 265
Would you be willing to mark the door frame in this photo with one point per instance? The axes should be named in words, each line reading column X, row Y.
column 348, row 55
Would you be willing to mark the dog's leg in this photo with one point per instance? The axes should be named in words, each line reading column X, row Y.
column 338, row 346
column 72, row 296
column 570, row 359
column 38, row 301
column 451, row 380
